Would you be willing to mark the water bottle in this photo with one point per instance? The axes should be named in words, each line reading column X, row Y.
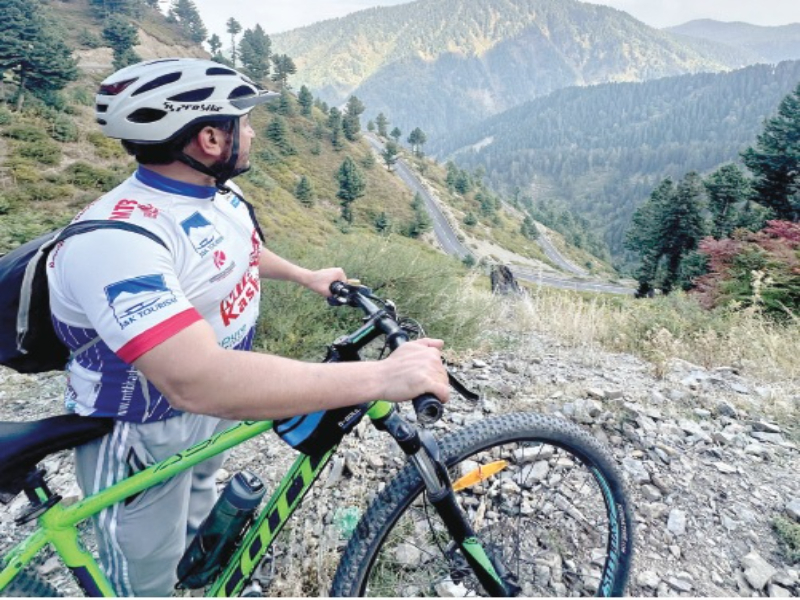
column 221, row 531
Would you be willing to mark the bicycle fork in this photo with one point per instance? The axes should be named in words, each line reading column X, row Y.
column 423, row 451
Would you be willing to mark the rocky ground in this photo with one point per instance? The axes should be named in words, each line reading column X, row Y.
column 710, row 456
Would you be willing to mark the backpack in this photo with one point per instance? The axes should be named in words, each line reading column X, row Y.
column 28, row 342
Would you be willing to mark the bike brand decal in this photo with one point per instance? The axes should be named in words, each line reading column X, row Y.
column 201, row 233
column 236, row 303
column 123, row 210
column 132, row 299
column 172, row 107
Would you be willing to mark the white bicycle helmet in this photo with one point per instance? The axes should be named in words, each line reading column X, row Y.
column 155, row 101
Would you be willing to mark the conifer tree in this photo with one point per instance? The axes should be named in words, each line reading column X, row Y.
column 284, row 66
column 233, row 27
column 306, row 101
column 215, row 44
column 383, row 223
column 304, row 191
column 188, row 18
column 335, row 125
column 286, row 104
column 417, row 139
column 396, row 134
column 351, row 122
column 727, row 190
column 255, row 51
column 370, row 125
column 32, row 49
column 351, row 187
column 775, row 160
column 390, row 154
column 421, row 223
column 383, row 123
column 278, row 133
column 122, row 36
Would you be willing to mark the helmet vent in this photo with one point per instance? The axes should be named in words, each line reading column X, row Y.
column 242, row 90
column 194, row 95
column 220, row 71
column 157, row 83
column 101, row 121
column 101, row 108
column 146, row 115
column 112, row 89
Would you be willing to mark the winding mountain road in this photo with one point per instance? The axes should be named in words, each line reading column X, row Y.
column 450, row 243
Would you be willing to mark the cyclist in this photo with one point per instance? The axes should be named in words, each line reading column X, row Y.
column 158, row 334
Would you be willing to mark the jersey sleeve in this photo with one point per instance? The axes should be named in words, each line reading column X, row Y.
column 128, row 288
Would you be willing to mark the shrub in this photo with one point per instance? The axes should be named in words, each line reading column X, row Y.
column 63, row 129
column 23, row 170
column 44, row 152
column 106, row 147
column 788, row 533
column 5, row 116
column 83, row 96
column 84, row 175
column 42, row 192
column 25, row 133
column 425, row 285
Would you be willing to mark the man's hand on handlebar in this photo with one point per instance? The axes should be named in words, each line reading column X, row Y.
column 416, row 368
column 320, row 281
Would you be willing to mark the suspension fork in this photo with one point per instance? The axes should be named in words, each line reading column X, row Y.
column 423, row 451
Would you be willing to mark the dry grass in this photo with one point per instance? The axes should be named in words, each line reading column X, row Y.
column 661, row 330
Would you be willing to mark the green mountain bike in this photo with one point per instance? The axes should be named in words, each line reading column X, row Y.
column 514, row 505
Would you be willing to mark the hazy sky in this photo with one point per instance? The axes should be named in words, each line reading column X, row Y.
column 280, row 15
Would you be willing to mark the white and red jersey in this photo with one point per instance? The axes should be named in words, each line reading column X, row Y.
column 134, row 294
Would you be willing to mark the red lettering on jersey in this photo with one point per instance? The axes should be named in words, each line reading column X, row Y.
column 255, row 252
column 123, row 210
column 237, row 301
column 150, row 211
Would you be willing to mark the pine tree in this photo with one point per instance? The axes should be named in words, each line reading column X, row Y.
column 775, row 161
column 396, row 134
column 727, row 190
column 286, row 104
column 390, row 154
column 215, row 44
column 383, row 224
column 383, row 123
column 351, row 187
column 529, row 229
column 278, row 133
column 304, row 191
column 421, row 223
column 32, row 49
column 470, row 220
column 335, row 125
column 233, row 27
column 255, row 50
column 351, row 122
column 417, row 139
column 306, row 101
column 284, row 66
column 371, row 126
column 122, row 36
column 186, row 14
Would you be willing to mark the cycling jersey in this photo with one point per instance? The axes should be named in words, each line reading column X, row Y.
column 134, row 294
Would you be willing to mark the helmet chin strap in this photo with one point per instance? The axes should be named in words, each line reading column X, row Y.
column 220, row 173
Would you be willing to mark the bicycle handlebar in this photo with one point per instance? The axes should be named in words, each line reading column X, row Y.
column 427, row 406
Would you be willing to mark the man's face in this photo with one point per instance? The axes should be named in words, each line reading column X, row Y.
column 246, row 135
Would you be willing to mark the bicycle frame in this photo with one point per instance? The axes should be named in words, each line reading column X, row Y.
column 59, row 525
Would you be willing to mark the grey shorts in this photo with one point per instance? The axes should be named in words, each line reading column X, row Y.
column 142, row 539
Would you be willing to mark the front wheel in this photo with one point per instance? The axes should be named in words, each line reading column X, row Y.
column 543, row 497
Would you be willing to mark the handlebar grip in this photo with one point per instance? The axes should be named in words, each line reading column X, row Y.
column 428, row 409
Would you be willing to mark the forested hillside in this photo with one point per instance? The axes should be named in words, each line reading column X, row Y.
column 443, row 64
column 769, row 44
column 602, row 149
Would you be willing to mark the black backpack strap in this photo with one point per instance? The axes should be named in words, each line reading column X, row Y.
column 92, row 225
column 250, row 210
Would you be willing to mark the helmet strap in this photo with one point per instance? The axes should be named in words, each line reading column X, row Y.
column 220, row 173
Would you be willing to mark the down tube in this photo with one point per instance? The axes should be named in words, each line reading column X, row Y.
column 294, row 486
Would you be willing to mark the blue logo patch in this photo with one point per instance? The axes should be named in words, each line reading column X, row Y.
column 235, row 201
column 132, row 299
column 203, row 235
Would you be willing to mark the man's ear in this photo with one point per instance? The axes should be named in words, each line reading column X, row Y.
column 210, row 142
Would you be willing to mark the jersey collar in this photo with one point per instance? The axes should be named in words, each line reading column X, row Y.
column 173, row 186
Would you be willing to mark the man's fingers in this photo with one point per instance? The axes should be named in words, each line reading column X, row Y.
column 432, row 342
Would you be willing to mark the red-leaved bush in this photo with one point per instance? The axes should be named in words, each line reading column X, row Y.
column 748, row 268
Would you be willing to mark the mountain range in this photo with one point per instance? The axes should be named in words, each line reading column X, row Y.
column 443, row 64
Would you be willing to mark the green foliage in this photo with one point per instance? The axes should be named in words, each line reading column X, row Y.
column 5, row 116
column 351, row 123
column 383, row 224
column 255, row 50
column 470, row 220
column 83, row 96
column 185, row 13
column 64, row 129
column 304, row 191
column 43, row 152
column 775, row 161
column 215, row 45
column 286, row 103
column 25, row 133
column 352, row 186
column 105, row 147
column 728, row 190
column 468, row 261
column 283, row 67
column 390, row 154
column 278, row 134
column 396, row 134
column 529, row 229
column 417, row 139
column 84, row 175
column 425, row 285
column 122, row 36
column 306, row 100
column 788, row 533
column 382, row 123
column 89, row 39
column 368, row 162
column 421, row 223
column 233, row 27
